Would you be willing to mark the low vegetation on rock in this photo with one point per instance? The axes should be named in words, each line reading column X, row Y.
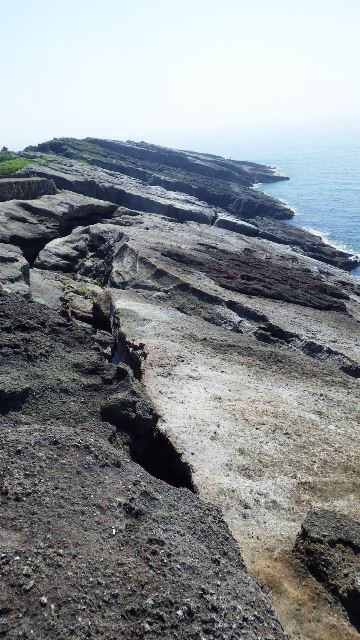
column 11, row 163
column 178, row 386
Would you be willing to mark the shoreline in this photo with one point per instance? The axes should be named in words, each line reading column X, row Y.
column 323, row 235
column 210, row 373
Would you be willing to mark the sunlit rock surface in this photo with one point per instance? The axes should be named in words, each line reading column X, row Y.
column 177, row 341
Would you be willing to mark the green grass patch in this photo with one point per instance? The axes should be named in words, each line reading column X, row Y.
column 5, row 156
column 83, row 291
column 8, row 167
column 99, row 282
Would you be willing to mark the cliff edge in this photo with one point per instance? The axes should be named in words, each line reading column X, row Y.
column 179, row 380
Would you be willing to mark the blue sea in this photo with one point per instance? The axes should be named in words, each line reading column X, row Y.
column 323, row 190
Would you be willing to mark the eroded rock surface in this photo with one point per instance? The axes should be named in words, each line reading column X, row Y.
column 181, row 184
column 131, row 558
column 14, row 270
column 25, row 188
column 301, row 240
column 91, row 545
column 208, row 178
column 127, row 191
column 31, row 224
column 329, row 546
column 196, row 349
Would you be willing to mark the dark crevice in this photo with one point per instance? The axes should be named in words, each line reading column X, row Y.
column 30, row 248
column 352, row 370
column 245, row 312
column 132, row 413
column 13, row 397
column 101, row 321
column 214, row 218
column 129, row 353
column 158, row 456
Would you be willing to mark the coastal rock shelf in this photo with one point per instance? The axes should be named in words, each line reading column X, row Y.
column 11, row 188
column 181, row 184
column 179, row 379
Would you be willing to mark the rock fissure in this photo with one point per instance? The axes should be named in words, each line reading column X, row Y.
column 130, row 410
column 148, row 445
column 187, row 341
column 137, row 417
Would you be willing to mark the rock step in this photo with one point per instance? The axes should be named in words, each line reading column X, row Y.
column 25, row 188
column 329, row 546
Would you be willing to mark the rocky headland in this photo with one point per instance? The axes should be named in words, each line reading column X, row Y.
column 179, row 403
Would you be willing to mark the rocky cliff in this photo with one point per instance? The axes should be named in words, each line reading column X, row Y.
column 18, row 188
column 180, row 377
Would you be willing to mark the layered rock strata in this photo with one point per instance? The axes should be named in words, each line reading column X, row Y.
column 181, row 184
column 25, row 188
column 91, row 545
column 200, row 356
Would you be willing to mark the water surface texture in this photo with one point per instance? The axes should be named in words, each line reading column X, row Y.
column 324, row 188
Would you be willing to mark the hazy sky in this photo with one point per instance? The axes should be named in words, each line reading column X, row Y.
column 177, row 71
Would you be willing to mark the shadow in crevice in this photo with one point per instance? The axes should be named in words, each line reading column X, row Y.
column 133, row 414
column 158, row 456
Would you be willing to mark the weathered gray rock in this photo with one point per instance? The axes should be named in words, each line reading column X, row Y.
column 217, row 181
column 127, row 191
column 75, row 299
column 199, row 271
column 131, row 554
column 83, row 245
column 129, row 174
column 31, row 224
column 329, row 546
column 160, row 255
column 181, row 184
column 307, row 243
column 218, row 362
column 47, row 287
column 238, row 226
column 25, row 188
column 67, row 206
column 14, row 270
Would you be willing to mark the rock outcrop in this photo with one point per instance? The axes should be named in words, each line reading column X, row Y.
column 305, row 242
column 174, row 358
column 92, row 545
column 25, row 188
column 139, row 176
column 329, row 546
column 31, row 224
column 181, row 184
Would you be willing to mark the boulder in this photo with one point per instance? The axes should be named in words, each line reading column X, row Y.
column 329, row 546
column 91, row 246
